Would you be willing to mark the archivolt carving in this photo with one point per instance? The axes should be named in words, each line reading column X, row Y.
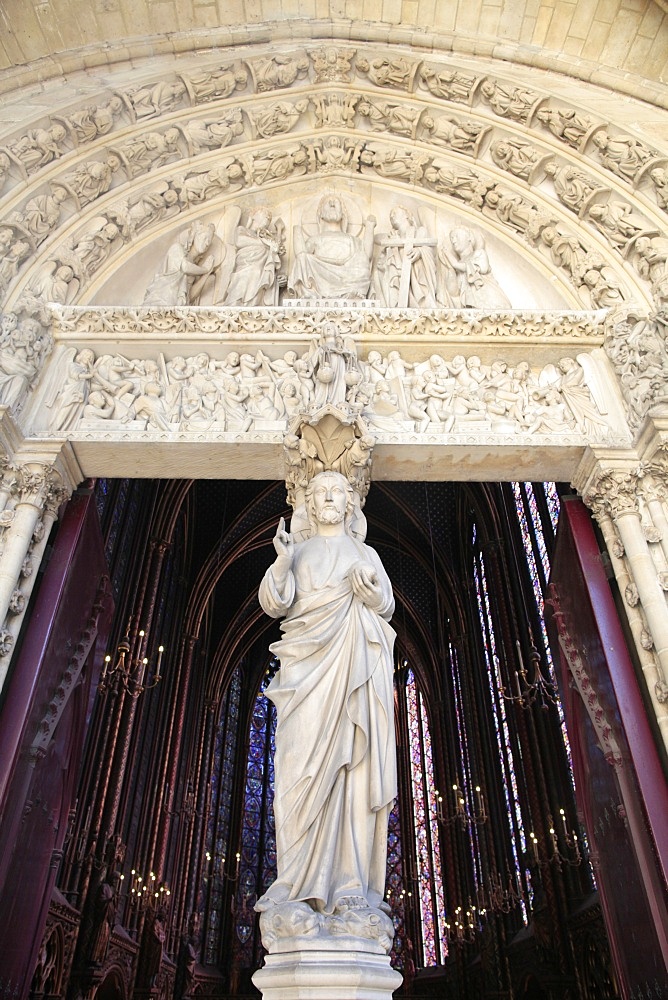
column 403, row 98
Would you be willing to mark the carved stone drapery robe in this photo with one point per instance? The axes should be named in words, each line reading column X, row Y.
column 335, row 761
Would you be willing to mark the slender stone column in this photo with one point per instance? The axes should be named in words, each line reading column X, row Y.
column 38, row 492
column 615, row 495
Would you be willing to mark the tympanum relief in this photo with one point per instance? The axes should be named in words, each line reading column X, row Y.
column 334, row 252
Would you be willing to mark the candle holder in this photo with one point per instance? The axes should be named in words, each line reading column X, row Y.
column 526, row 693
column 463, row 815
column 130, row 671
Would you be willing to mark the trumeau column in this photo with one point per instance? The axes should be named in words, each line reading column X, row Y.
column 36, row 481
column 628, row 499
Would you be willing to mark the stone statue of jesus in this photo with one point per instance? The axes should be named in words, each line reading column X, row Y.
column 335, row 761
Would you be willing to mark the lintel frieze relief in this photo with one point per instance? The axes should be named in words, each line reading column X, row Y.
column 86, row 393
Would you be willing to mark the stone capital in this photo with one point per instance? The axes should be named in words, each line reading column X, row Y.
column 608, row 480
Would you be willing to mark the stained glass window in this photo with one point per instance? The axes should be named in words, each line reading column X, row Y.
column 507, row 748
column 218, row 828
column 427, row 876
column 395, row 890
column 256, row 864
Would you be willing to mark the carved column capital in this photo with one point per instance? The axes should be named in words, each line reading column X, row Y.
column 40, row 484
column 613, row 493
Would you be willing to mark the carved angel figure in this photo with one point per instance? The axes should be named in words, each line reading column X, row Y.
column 186, row 259
column 406, row 269
column 474, row 282
column 259, row 246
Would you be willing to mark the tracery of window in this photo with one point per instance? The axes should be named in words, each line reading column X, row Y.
column 428, row 873
column 218, row 860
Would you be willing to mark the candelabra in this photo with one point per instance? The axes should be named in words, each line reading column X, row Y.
column 462, row 815
column 552, row 853
column 145, row 893
column 216, row 868
column 464, row 925
column 526, row 693
column 130, row 671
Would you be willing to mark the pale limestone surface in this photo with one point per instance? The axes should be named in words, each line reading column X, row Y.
column 335, row 763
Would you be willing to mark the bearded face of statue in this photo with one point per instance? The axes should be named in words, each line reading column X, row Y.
column 330, row 499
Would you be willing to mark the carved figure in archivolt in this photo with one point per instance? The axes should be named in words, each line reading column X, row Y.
column 384, row 72
column 566, row 124
column 459, row 134
column 518, row 212
column 451, row 85
column 256, row 255
column 516, row 103
column 276, row 119
column 186, row 260
column 277, row 164
column 213, row 134
column 334, row 110
column 406, row 268
column 335, row 651
column 385, row 117
column 154, row 205
column 149, row 151
column 331, row 64
column 332, row 154
column 518, row 157
column 330, row 261
column 470, row 273
column 619, row 223
column 461, row 183
column 195, row 188
column 659, row 177
column 55, row 282
column 41, row 214
column 38, row 147
column 158, row 98
column 279, row 71
column 573, row 187
column 93, row 178
column 210, row 85
column 623, row 154
column 95, row 120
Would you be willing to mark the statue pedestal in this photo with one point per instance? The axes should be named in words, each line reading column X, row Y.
column 327, row 974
